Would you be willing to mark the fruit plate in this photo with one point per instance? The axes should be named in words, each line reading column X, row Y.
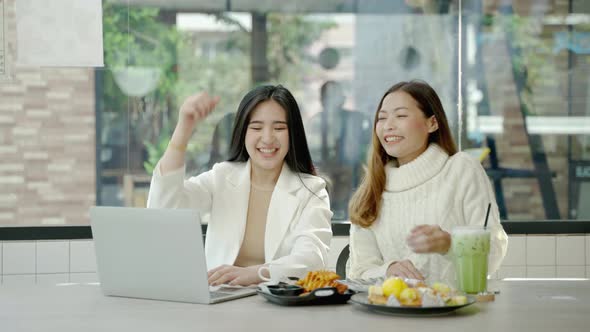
column 320, row 296
column 361, row 300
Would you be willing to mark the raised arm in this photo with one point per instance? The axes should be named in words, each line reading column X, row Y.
column 193, row 110
column 168, row 188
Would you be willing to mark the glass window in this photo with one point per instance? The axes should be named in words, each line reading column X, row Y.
column 71, row 138
column 526, row 93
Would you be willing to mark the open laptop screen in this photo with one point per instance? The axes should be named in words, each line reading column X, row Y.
column 150, row 253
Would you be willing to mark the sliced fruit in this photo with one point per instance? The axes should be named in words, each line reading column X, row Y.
column 410, row 297
column 393, row 286
column 441, row 288
column 457, row 300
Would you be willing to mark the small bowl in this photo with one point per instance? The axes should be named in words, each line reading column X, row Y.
column 285, row 290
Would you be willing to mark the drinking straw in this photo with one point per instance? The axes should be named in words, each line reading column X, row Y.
column 485, row 224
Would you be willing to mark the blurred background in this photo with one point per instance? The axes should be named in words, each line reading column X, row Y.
column 514, row 78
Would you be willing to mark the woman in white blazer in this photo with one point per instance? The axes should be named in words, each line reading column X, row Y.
column 265, row 203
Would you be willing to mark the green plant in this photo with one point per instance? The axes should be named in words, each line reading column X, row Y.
column 227, row 73
column 155, row 152
column 136, row 36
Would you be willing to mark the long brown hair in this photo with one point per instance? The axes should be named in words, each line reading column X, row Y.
column 365, row 204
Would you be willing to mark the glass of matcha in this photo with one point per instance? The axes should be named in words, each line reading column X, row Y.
column 470, row 248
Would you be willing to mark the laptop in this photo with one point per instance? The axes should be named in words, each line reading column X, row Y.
column 154, row 254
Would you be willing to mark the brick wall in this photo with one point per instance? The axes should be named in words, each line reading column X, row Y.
column 47, row 144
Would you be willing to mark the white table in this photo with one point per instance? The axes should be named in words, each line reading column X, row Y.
column 521, row 306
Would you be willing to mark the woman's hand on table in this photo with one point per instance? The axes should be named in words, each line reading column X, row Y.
column 404, row 269
column 429, row 239
column 234, row 275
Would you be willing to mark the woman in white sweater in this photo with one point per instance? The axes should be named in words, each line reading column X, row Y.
column 416, row 189
column 265, row 203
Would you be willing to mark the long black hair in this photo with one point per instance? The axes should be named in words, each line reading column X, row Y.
column 298, row 157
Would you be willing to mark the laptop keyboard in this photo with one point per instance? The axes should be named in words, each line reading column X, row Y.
column 217, row 294
column 225, row 291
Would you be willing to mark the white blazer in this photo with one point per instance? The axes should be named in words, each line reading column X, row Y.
column 298, row 226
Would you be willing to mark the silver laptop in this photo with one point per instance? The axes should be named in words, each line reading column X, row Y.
column 154, row 254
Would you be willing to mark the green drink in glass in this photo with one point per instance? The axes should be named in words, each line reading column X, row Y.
column 470, row 247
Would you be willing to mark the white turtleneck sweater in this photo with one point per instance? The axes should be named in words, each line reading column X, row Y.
column 432, row 189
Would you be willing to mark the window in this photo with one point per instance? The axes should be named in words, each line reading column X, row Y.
column 71, row 138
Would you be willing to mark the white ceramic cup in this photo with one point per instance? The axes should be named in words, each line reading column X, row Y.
column 282, row 272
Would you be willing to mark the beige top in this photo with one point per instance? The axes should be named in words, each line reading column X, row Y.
column 252, row 250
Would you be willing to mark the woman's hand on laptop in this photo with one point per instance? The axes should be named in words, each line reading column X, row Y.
column 234, row 275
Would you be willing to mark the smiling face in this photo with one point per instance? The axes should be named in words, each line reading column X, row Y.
column 402, row 127
column 267, row 137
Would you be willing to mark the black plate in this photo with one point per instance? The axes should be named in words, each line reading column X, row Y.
column 285, row 290
column 362, row 300
column 319, row 296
